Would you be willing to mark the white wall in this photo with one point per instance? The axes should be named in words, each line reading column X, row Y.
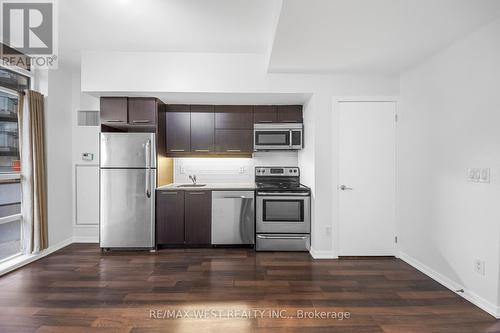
column 85, row 139
column 58, row 152
column 149, row 73
column 450, row 121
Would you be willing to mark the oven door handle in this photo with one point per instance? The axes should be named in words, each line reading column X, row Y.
column 281, row 237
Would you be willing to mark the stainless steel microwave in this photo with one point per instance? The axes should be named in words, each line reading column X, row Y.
column 278, row 136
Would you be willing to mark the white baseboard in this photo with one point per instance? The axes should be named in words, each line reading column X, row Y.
column 25, row 259
column 86, row 234
column 86, row 239
column 472, row 297
column 322, row 254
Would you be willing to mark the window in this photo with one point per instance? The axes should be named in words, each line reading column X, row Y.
column 10, row 186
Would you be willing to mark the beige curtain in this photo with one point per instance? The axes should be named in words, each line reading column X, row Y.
column 33, row 175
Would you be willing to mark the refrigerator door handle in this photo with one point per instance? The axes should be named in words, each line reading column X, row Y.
column 148, row 168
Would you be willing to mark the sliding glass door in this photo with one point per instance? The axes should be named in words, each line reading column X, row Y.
column 10, row 185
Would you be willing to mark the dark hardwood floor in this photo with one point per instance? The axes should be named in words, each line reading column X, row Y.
column 78, row 289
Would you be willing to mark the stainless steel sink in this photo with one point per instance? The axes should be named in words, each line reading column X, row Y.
column 191, row 185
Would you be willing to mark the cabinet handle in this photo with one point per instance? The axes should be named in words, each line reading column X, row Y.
column 265, row 121
column 288, row 121
column 202, row 150
column 177, row 150
column 197, row 193
column 233, row 150
column 140, row 121
column 113, row 121
column 168, row 193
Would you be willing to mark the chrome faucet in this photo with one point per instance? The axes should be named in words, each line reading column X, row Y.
column 193, row 179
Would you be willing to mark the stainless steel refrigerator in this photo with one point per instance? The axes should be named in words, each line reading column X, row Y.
column 127, row 190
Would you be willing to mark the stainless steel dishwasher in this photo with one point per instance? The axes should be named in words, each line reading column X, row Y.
column 233, row 218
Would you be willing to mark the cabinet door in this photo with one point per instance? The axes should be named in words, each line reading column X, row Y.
column 289, row 113
column 198, row 217
column 233, row 141
column 114, row 110
column 234, row 117
column 264, row 114
column 170, row 217
column 202, row 128
column 142, row 111
column 178, row 129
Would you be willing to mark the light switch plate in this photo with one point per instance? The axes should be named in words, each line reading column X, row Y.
column 484, row 176
column 478, row 175
column 473, row 175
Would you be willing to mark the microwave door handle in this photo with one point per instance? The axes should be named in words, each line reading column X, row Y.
column 291, row 137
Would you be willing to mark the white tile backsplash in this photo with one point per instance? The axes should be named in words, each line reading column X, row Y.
column 229, row 170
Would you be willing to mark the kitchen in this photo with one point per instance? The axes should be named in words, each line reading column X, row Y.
column 145, row 203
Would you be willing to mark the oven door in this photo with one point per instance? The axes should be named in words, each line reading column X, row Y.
column 283, row 213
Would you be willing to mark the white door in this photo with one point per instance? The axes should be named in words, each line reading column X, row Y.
column 367, row 178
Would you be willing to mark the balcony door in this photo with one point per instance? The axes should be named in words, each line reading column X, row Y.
column 11, row 229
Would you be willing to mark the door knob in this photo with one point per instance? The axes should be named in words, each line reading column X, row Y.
column 345, row 188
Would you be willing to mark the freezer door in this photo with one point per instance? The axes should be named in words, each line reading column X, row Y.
column 127, row 199
column 127, row 150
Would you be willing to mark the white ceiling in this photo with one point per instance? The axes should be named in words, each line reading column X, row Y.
column 235, row 26
column 310, row 36
column 384, row 36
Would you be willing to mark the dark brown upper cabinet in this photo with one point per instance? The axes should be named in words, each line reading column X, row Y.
column 114, row 111
column 233, row 117
column 178, row 129
column 202, row 129
column 233, row 141
column 198, row 217
column 142, row 110
column 264, row 114
column 289, row 113
column 170, row 217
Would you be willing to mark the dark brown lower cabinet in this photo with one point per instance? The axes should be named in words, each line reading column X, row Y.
column 170, row 217
column 183, row 217
column 198, row 217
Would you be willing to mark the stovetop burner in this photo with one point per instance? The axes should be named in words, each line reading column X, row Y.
column 279, row 179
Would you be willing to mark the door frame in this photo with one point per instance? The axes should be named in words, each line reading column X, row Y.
column 336, row 154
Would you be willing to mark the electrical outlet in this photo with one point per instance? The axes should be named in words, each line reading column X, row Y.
column 479, row 266
column 183, row 170
column 242, row 170
column 328, row 230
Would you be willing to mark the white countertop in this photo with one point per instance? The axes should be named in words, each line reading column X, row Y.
column 209, row 186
